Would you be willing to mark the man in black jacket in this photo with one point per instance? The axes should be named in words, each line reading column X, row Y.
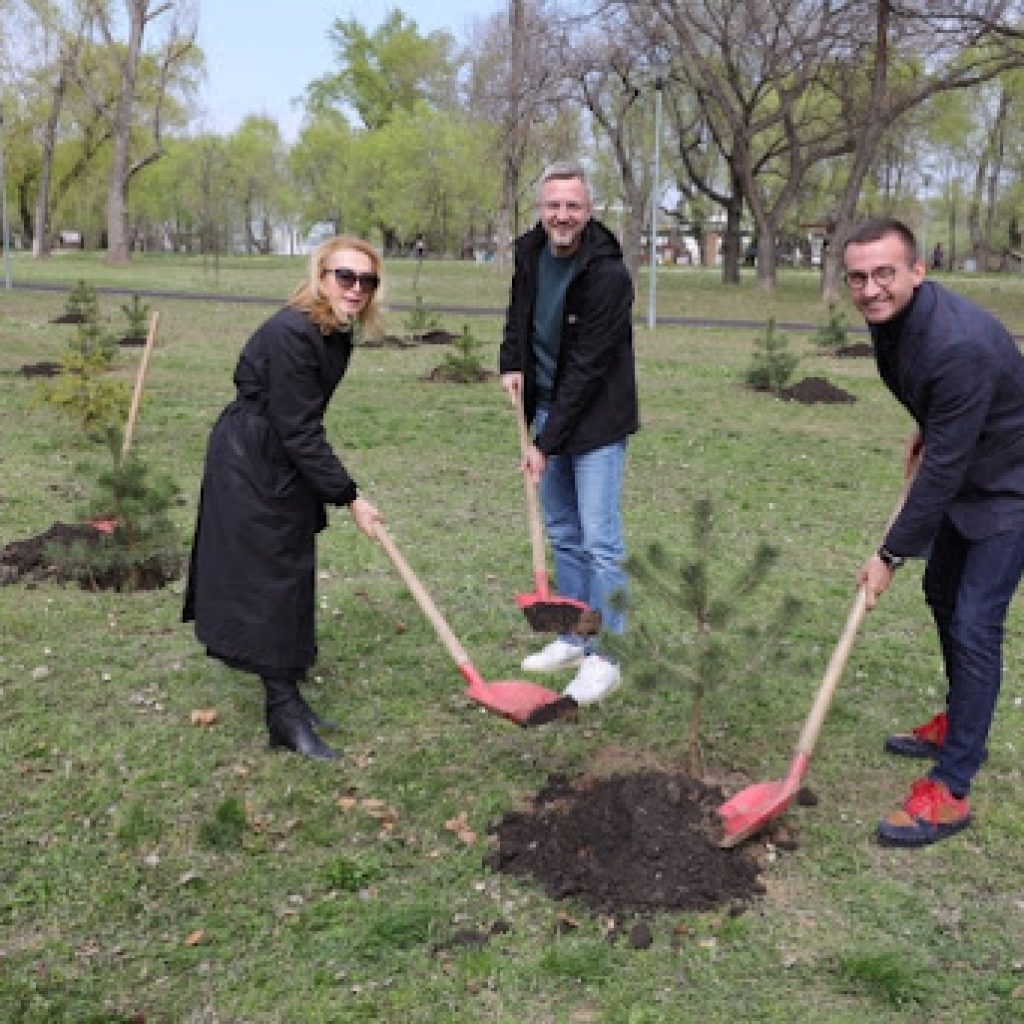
column 960, row 375
column 568, row 349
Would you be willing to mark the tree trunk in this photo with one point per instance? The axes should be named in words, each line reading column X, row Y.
column 515, row 134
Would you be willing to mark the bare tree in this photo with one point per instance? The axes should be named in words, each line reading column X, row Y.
column 967, row 46
column 177, row 45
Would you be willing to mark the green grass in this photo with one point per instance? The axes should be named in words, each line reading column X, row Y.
column 149, row 866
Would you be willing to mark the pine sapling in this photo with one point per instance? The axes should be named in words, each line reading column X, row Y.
column 772, row 364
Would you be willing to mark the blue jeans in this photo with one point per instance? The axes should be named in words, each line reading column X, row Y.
column 581, row 497
column 968, row 586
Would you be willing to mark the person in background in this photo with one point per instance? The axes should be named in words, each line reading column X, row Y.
column 269, row 473
column 937, row 256
column 568, row 352
column 960, row 375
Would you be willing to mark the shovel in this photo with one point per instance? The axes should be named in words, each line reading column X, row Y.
column 752, row 808
column 544, row 611
column 524, row 703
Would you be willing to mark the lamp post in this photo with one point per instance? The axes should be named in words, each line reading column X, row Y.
column 652, row 300
column 3, row 201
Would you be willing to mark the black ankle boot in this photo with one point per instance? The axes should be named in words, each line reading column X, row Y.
column 315, row 721
column 288, row 724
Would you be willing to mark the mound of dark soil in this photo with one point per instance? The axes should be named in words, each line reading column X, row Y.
column 45, row 369
column 855, row 351
column 69, row 318
column 435, row 337
column 132, row 341
column 448, row 375
column 814, row 390
column 30, row 560
column 639, row 842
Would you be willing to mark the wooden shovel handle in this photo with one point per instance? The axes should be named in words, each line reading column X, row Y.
column 427, row 606
column 140, row 379
column 809, row 735
column 532, row 507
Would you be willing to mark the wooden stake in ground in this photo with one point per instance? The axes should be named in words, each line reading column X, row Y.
column 140, row 380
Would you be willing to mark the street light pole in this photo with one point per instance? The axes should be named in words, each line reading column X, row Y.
column 652, row 302
column 3, row 200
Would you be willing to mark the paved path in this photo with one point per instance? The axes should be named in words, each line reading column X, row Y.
column 261, row 300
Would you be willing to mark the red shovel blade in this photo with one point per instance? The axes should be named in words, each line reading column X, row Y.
column 522, row 702
column 752, row 808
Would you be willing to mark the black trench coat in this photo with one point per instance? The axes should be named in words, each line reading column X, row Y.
column 268, row 474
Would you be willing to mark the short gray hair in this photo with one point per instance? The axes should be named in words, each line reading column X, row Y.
column 561, row 170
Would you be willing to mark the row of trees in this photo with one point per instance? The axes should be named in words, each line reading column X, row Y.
column 779, row 115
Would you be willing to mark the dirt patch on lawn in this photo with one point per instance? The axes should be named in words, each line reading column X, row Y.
column 858, row 351
column 433, row 337
column 33, row 560
column 44, row 369
column 815, row 390
column 636, row 842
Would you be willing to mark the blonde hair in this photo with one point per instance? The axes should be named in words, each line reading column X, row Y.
column 308, row 297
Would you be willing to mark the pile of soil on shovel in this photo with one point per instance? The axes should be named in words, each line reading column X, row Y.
column 29, row 561
column 44, row 369
column 815, row 390
column 858, row 351
column 630, row 843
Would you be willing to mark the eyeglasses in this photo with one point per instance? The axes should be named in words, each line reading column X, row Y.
column 348, row 278
column 857, row 280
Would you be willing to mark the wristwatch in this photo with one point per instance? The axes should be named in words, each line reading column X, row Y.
column 892, row 561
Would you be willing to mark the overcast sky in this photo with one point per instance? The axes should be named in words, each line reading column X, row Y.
column 261, row 54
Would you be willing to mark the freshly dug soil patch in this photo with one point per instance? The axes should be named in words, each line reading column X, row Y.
column 27, row 560
column 814, row 390
column 132, row 341
column 639, row 842
column 855, row 351
column 45, row 369
column 444, row 375
column 69, row 318
column 436, row 337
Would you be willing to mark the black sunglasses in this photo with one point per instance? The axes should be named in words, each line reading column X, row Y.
column 348, row 278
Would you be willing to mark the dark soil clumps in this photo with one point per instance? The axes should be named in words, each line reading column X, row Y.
column 815, row 390
column 132, row 341
column 857, row 351
column 454, row 375
column 44, row 369
column 641, row 842
column 433, row 337
column 561, row 617
column 70, row 318
column 31, row 560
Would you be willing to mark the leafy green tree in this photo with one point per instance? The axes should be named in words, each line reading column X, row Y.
column 386, row 71
column 258, row 171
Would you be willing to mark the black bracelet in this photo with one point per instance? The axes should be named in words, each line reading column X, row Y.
column 892, row 561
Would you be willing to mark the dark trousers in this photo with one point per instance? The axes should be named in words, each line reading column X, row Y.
column 968, row 585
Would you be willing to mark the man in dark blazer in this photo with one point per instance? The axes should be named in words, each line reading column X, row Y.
column 960, row 375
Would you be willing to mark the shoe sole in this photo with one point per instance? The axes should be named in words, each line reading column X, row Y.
column 574, row 663
column 593, row 700
column 921, row 834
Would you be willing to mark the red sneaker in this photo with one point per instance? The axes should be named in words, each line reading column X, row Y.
column 930, row 813
column 924, row 741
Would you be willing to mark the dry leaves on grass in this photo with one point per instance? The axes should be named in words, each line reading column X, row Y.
column 385, row 815
column 194, row 938
column 460, row 826
column 203, row 717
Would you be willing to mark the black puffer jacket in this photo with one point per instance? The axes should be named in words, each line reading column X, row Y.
column 595, row 398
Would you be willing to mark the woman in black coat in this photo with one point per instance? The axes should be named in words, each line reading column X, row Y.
column 269, row 474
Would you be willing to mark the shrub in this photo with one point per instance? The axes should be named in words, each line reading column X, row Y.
column 82, row 304
column 463, row 366
column 772, row 363
column 420, row 318
column 832, row 334
column 137, row 313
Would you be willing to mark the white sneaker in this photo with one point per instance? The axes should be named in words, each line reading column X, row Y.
column 596, row 678
column 558, row 654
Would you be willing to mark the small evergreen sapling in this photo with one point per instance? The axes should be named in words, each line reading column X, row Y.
column 138, row 549
column 420, row 318
column 137, row 314
column 772, row 363
column 463, row 366
column 82, row 304
column 832, row 334
column 682, row 637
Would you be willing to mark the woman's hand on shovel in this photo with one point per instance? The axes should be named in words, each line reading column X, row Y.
column 875, row 577
column 365, row 516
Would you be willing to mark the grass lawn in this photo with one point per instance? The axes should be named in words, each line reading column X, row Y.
column 152, row 869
